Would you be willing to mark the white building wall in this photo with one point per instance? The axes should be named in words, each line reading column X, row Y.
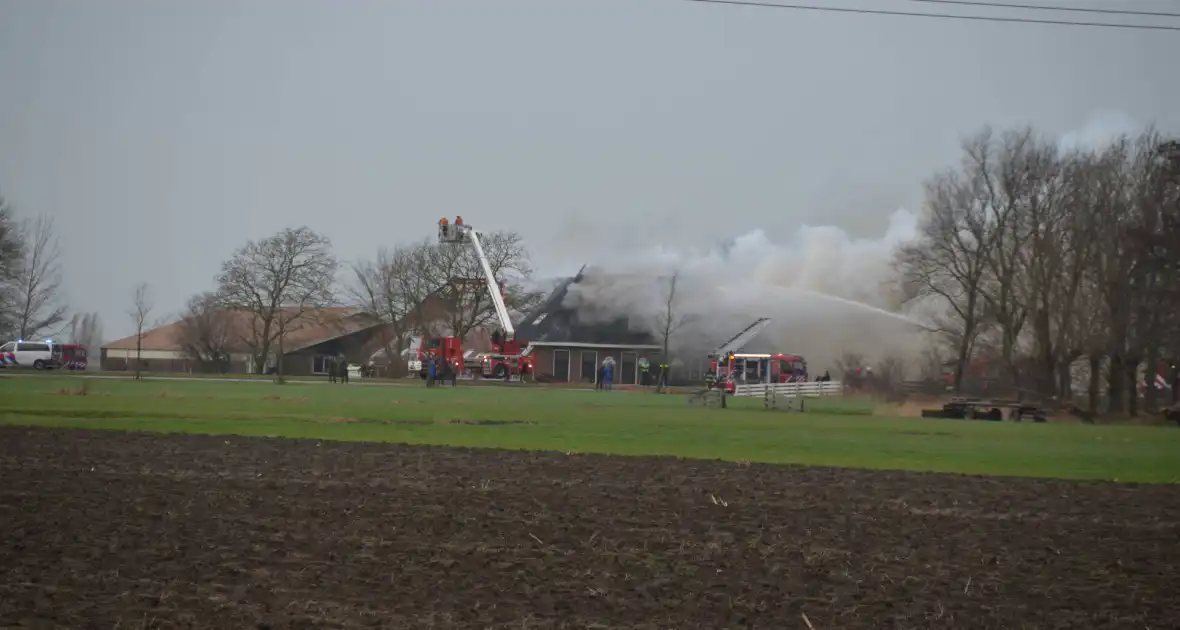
column 172, row 355
column 119, row 353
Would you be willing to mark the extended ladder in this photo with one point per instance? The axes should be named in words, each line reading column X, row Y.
column 741, row 339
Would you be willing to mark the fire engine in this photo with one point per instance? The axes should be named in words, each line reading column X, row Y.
column 728, row 366
column 509, row 357
column 70, row 356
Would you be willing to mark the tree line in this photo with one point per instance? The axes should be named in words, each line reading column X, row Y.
column 1035, row 258
column 282, row 282
column 1039, row 258
column 31, row 302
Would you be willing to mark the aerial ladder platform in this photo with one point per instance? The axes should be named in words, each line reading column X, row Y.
column 509, row 359
column 740, row 340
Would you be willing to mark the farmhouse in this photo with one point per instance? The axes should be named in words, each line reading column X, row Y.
column 568, row 350
column 308, row 346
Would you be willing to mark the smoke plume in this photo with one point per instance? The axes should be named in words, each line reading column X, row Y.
column 827, row 292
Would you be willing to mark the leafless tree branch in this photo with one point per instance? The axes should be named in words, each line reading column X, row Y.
column 206, row 332
column 38, row 282
column 86, row 330
column 278, row 281
column 141, row 309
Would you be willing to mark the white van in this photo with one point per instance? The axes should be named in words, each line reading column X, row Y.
column 27, row 354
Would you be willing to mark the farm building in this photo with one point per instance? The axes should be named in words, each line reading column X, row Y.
column 569, row 350
column 566, row 348
column 308, row 346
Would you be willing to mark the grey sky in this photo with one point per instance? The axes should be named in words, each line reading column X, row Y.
column 164, row 134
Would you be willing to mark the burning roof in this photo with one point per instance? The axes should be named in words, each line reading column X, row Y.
column 554, row 321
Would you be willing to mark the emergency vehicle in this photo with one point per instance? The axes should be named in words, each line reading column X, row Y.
column 69, row 356
column 729, row 367
column 509, row 358
column 28, row 354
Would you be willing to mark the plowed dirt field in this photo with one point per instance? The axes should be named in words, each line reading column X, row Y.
column 105, row 530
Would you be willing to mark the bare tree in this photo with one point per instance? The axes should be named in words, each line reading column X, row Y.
column 1156, row 196
column 38, row 282
column 1035, row 182
column 141, row 310
column 12, row 253
column 668, row 322
column 1070, row 248
column 1164, row 257
column 206, row 332
column 1000, row 175
column 1075, row 262
column 394, row 286
column 278, row 281
column 456, row 273
column 86, row 330
column 949, row 260
column 1119, row 273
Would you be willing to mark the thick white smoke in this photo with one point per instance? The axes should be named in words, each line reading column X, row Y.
column 828, row 292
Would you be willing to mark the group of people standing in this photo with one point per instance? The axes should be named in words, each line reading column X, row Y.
column 439, row 370
column 338, row 370
column 606, row 373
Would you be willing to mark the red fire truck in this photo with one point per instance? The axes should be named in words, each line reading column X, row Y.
column 509, row 357
column 738, row 367
column 69, row 356
column 728, row 366
column 506, row 359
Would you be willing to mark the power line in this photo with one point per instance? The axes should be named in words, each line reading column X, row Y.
column 947, row 16
column 1036, row 7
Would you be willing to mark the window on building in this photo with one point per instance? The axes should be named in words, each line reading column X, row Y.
column 320, row 364
column 589, row 366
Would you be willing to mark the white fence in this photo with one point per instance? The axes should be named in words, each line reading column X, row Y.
column 809, row 389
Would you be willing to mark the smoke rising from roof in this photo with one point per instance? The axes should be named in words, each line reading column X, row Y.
column 827, row 292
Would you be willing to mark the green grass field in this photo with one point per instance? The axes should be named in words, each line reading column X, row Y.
column 835, row 432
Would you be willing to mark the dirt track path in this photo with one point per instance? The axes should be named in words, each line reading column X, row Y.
column 165, row 531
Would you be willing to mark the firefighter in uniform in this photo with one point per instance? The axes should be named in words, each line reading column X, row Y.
column 644, row 366
column 663, row 374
